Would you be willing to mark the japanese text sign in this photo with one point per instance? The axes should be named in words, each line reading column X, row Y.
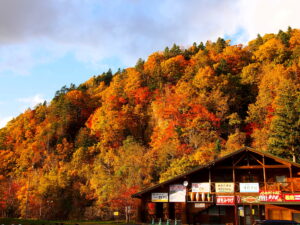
column 159, row 197
column 225, row 200
column 249, row 187
column 177, row 193
column 200, row 187
column 292, row 197
column 270, row 196
column 225, row 187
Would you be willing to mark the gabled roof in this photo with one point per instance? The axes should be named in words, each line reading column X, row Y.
column 212, row 163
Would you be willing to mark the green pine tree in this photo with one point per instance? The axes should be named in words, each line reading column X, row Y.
column 284, row 139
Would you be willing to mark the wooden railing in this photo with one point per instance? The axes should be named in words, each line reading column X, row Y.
column 293, row 186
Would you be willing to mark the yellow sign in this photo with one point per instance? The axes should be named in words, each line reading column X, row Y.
column 116, row 213
column 159, row 197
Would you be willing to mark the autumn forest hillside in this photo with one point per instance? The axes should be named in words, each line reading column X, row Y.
column 83, row 154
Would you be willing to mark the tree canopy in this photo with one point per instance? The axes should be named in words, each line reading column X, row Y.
column 83, row 154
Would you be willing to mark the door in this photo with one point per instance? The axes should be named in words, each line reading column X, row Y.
column 296, row 217
column 172, row 211
column 247, row 210
column 250, row 213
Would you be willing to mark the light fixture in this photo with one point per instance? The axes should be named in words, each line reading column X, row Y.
column 185, row 183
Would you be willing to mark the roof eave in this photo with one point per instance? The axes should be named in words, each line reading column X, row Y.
column 278, row 159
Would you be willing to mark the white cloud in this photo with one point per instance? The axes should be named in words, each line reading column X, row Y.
column 268, row 16
column 98, row 30
column 31, row 101
column 4, row 120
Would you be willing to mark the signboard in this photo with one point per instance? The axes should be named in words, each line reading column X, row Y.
column 270, row 196
column 241, row 211
column 225, row 187
column 200, row 187
column 291, row 197
column 159, row 197
column 177, row 193
column 225, row 200
column 116, row 213
column 199, row 205
column 249, row 187
column 249, row 199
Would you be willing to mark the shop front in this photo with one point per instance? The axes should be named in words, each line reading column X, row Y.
column 237, row 189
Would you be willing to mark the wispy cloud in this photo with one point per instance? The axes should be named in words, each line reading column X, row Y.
column 4, row 120
column 31, row 101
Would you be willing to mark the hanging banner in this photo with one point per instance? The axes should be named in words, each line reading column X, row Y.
column 225, row 200
column 200, row 187
column 249, row 199
column 159, row 197
column 177, row 193
column 224, row 187
column 291, row 197
column 249, row 187
column 270, row 196
column 151, row 208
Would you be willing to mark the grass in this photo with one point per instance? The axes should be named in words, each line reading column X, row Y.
column 15, row 221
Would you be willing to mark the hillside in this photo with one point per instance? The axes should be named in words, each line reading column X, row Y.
column 84, row 154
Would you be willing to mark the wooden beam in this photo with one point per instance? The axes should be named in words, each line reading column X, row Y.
column 254, row 167
column 256, row 159
column 242, row 157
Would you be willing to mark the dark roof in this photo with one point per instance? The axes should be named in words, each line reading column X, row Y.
column 210, row 164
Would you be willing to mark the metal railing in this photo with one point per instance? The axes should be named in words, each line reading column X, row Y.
column 159, row 221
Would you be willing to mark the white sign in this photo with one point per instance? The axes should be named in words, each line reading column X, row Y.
column 200, row 187
column 177, row 193
column 225, row 187
column 199, row 205
column 159, row 197
column 249, row 187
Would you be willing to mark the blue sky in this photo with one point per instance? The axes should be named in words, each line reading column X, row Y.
column 45, row 45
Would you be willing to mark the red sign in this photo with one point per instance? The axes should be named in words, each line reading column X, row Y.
column 291, row 197
column 225, row 200
column 270, row 196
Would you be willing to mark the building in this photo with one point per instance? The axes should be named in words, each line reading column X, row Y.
column 239, row 188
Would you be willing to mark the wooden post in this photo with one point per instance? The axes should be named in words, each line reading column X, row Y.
column 209, row 179
column 186, row 205
column 184, row 216
column 140, row 210
column 236, row 216
column 291, row 177
column 264, row 172
column 233, row 176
